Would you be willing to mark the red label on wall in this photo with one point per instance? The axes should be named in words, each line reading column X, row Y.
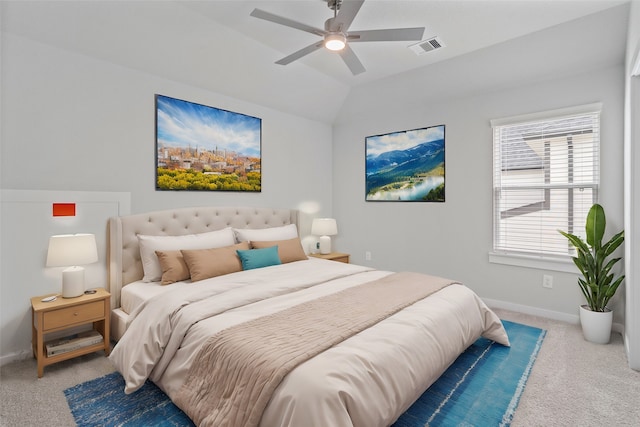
column 64, row 209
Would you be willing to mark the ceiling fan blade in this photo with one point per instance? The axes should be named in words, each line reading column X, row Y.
column 348, row 11
column 394, row 35
column 299, row 54
column 352, row 61
column 261, row 14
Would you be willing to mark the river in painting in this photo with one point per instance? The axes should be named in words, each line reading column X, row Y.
column 409, row 193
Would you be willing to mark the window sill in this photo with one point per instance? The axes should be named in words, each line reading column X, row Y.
column 540, row 263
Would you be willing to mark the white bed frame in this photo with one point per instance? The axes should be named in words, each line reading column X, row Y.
column 123, row 262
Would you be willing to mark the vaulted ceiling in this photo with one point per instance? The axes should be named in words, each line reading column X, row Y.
column 218, row 46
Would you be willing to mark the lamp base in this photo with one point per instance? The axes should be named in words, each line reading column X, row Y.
column 325, row 244
column 72, row 282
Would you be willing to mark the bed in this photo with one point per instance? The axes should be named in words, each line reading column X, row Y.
column 261, row 334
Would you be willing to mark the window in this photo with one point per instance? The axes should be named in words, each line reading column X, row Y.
column 545, row 179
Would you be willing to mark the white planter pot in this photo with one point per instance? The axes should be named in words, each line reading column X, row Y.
column 596, row 325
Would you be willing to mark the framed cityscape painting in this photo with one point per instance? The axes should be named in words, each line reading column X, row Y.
column 200, row 148
column 406, row 166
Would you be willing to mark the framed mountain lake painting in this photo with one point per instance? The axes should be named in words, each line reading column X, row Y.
column 201, row 148
column 406, row 166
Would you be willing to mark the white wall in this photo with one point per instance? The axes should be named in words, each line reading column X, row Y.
column 71, row 122
column 453, row 239
column 632, row 191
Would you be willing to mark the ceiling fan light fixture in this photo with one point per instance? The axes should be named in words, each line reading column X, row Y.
column 335, row 41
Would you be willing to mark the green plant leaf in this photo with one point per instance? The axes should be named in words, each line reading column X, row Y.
column 613, row 243
column 614, row 287
column 595, row 226
column 576, row 241
column 597, row 282
column 609, row 265
column 585, row 291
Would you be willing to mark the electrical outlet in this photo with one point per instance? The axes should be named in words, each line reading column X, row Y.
column 547, row 281
column 367, row 256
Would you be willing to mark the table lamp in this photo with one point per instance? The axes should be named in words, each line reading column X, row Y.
column 324, row 227
column 72, row 250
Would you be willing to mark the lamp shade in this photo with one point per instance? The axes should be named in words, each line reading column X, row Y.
column 72, row 249
column 324, row 227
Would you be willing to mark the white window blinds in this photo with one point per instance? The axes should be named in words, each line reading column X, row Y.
column 545, row 179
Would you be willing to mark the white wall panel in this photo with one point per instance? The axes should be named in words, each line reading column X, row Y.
column 26, row 223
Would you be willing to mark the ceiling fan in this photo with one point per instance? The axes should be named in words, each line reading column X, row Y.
column 336, row 35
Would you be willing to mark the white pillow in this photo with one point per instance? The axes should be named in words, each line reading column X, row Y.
column 150, row 244
column 284, row 232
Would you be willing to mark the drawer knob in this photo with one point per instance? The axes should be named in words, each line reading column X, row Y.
column 75, row 314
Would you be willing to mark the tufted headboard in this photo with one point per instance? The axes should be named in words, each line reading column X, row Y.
column 124, row 265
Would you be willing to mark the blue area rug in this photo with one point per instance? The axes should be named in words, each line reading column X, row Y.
column 102, row 402
column 481, row 388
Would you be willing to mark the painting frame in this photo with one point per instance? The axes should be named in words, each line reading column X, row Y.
column 406, row 166
column 204, row 148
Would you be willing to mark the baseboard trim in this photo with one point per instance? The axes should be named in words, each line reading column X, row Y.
column 619, row 328
column 534, row 311
column 12, row 357
column 548, row 314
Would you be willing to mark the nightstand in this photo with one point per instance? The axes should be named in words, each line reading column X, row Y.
column 65, row 313
column 333, row 256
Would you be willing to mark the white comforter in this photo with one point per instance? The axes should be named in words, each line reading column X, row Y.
column 368, row 380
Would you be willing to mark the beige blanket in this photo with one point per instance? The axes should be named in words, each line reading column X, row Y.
column 238, row 369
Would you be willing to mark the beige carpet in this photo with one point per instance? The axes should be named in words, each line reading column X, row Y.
column 577, row 383
column 573, row 383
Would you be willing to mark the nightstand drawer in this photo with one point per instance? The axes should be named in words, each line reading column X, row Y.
column 70, row 315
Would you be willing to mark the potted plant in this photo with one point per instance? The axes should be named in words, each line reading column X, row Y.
column 597, row 282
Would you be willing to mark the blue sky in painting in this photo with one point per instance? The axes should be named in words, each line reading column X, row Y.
column 186, row 124
column 402, row 140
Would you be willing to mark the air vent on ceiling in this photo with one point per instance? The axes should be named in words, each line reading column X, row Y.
column 428, row 45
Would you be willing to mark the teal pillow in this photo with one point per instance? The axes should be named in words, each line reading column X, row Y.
column 258, row 258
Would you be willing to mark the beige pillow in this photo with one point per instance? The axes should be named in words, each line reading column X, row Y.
column 288, row 250
column 206, row 263
column 288, row 231
column 173, row 267
column 150, row 244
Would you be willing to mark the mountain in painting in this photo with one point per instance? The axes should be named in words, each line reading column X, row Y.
column 401, row 165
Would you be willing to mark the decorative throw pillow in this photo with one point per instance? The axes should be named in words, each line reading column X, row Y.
column 150, row 244
column 258, row 258
column 288, row 250
column 284, row 232
column 207, row 263
column 173, row 267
